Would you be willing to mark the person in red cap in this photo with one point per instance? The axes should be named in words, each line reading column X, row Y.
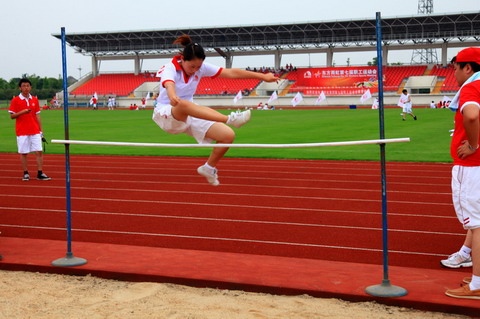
column 466, row 161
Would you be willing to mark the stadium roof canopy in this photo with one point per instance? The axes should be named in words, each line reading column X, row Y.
column 417, row 31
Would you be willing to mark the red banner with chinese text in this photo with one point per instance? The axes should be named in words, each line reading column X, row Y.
column 337, row 80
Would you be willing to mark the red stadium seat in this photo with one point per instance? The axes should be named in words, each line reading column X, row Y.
column 114, row 84
column 221, row 86
column 450, row 83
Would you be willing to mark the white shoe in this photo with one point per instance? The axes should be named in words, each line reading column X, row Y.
column 238, row 118
column 456, row 260
column 211, row 177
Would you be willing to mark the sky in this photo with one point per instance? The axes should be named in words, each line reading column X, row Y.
column 28, row 46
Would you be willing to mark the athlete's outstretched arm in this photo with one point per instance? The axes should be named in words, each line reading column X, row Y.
column 244, row 74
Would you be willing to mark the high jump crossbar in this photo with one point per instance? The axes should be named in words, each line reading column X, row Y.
column 299, row 145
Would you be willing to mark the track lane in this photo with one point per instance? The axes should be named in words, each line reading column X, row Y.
column 323, row 213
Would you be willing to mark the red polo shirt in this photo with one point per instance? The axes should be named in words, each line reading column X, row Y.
column 469, row 94
column 26, row 124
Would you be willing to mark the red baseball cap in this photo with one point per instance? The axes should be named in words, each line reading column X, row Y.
column 469, row 55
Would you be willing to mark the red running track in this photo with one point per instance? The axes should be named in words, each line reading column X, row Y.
column 328, row 210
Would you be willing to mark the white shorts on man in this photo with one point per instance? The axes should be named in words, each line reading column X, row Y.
column 407, row 108
column 29, row 143
column 195, row 127
column 466, row 198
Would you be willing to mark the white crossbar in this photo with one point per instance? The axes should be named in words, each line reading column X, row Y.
column 381, row 141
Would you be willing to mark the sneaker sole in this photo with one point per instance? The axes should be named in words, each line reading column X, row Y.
column 44, row 179
column 462, row 297
column 466, row 265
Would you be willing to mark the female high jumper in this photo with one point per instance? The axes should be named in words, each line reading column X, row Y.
column 176, row 113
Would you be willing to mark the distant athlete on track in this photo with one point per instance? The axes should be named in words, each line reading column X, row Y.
column 176, row 113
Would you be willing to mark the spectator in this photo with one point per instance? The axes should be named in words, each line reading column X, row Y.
column 93, row 102
column 110, row 103
column 25, row 109
column 466, row 161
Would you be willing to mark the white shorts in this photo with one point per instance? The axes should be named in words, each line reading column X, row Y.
column 466, row 195
column 195, row 127
column 407, row 108
column 29, row 143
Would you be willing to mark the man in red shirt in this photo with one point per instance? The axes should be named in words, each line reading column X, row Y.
column 25, row 109
column 466, row 161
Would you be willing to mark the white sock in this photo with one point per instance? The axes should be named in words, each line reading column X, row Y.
column 475, row 284
column 465, row 251
column 210, row 168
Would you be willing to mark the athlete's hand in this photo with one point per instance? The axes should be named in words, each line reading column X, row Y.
column 175, row 100
column 464, row 150
column 269, row 77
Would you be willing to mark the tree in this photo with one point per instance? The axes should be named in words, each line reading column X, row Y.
column 373, row 62
column 42, row 87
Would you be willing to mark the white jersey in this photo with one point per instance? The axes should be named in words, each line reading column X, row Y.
column 403, row 101
column 185, row 86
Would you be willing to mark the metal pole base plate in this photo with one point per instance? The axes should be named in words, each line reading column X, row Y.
column 69, row 261
column 385, row 289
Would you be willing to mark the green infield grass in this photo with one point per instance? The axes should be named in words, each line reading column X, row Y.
column 430, row 137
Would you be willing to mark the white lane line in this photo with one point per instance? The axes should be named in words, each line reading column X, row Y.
column 174, row 216
column 236, row 194
column 229, row 220
column 320, row 181
column 221, row 239
column 217, row 204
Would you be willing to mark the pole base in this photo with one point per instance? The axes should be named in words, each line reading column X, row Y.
column 385, row 289
column 69, row 261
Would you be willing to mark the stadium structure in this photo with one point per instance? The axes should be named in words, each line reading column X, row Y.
column 340, row 84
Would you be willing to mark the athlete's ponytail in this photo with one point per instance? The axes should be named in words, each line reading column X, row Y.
column 191, row 50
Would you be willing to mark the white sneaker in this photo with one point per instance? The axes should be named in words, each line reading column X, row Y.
column 211, row 177
column 456, row 260
column 238, row 118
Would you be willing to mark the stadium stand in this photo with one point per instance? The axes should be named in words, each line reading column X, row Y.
column 222, row 86
column 394, row 75
column 120, row 84
column 124, row 84
column 446, row 75
column 292, row 75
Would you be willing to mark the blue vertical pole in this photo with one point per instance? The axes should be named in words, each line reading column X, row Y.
column 382, row 146
column 385, row 289
column 69, row 260
column 67, row 146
